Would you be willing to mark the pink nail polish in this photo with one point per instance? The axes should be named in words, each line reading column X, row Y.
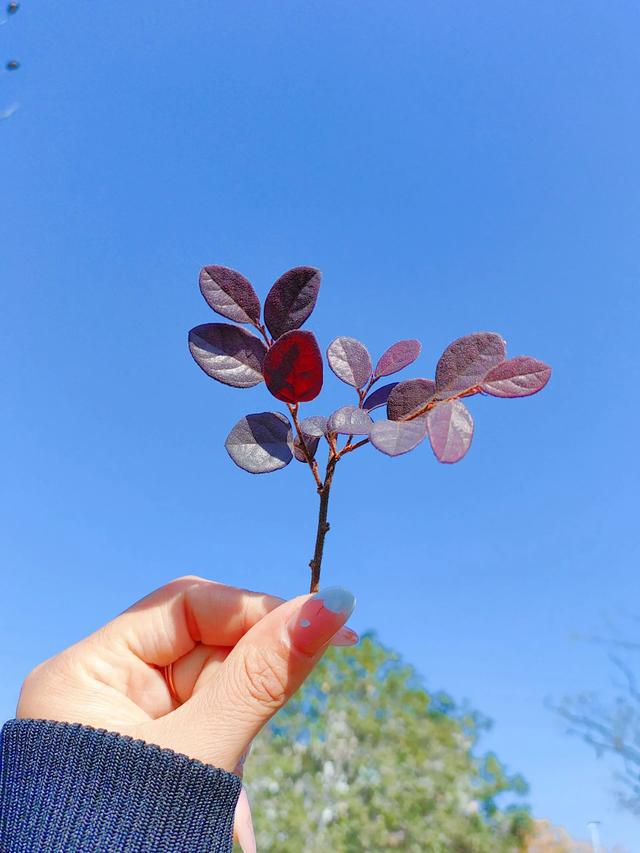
column 320, row 618
column 345, row 637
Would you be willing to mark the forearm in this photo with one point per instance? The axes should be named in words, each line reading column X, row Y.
column 67, row 787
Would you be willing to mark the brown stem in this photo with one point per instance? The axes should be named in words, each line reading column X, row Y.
column 323, row 525
column 433, row 403
column 310, row 461
column 370, row 385
column 324, row 489
column 349, row 447
column 263, row 332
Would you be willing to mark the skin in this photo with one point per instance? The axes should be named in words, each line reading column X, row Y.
column 237, row 660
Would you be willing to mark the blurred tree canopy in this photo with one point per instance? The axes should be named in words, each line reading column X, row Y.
column 364, row 758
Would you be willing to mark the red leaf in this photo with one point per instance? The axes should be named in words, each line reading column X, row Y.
column 293, row 368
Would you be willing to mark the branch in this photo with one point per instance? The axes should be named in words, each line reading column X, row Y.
column 588, row 728
column 423, row 410
column 323, row 525
column 310, row 460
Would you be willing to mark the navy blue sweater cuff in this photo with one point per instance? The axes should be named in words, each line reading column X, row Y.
column 67, row 787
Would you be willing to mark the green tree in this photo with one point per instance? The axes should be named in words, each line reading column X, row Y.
column 364, row 758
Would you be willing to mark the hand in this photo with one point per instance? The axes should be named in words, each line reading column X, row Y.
column 237, row 657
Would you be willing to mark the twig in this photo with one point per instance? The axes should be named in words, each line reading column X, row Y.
column 310, row 461
column 323, row 526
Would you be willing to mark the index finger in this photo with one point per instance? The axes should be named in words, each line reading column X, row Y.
column 169, row 622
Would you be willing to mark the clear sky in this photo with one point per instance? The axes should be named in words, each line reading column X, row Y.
column 449, row 166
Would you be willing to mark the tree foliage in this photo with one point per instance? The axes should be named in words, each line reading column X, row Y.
column 364, row 758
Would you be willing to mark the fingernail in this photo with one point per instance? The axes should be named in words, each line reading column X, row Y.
column 244, row 824
column 320, row 618
column 345, row 637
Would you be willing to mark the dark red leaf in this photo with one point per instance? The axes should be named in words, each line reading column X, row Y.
column 228, row 353
column 261, row 443
column 293, row 368
column 350, row 420
column 229, row 293
column 291, row 299
column 398, row 355
column 517, row 377
column 397, row 437
column 408, row 396
column 450, row 428
column 350, row 361
column 465, row 362
column 378, row 397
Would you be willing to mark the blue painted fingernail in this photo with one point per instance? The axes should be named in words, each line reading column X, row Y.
column 320, row 617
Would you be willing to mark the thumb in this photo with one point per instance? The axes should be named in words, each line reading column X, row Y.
column 262, row 671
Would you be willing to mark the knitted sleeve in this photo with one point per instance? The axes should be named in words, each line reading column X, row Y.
column 68, row 787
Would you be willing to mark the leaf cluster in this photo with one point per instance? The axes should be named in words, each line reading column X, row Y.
column 288, row 360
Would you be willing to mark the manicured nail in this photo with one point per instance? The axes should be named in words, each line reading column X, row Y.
column 244, row 824
column 320, row 618
column 345, row 637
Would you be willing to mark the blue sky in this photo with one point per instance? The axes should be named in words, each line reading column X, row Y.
column 449, row 167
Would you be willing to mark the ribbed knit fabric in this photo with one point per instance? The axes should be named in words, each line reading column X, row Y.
column 67, row 787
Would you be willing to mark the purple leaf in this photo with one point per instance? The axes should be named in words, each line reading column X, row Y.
column 378, row 397
column 397, row 437
column 229, row 293
column 291, row 299
column 517, row 377
column 228, row 353
column 450, row 428
column 397, row 356
column 465, row 362
column 261, row 443
column 312, row 447
column 293, row 368
column 312, row 428
column 408, row 396
column 350, row 361
column 350, row 420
